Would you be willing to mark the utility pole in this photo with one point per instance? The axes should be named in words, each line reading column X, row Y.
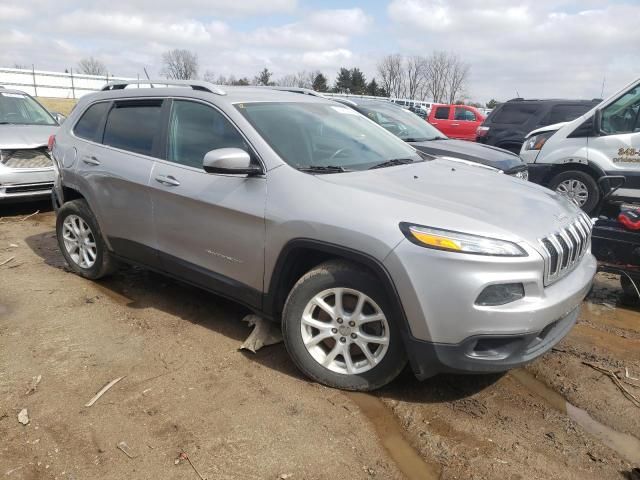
column 604, row 78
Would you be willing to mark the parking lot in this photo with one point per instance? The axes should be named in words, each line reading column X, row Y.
column 188, row 389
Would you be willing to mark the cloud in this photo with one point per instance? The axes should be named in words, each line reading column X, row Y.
column 321, row 30
column 540, row 49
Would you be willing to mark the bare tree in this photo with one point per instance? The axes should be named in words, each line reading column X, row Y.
column 458, row 74
column 415, row 74
column 92, row 66
column 180, row 64
column 303, row 79
column 391, row 74
column 446, row 75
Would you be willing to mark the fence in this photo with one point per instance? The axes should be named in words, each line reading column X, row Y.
column 41, row 83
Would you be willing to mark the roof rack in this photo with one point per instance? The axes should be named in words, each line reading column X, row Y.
column 304, row 91
column 194, row 84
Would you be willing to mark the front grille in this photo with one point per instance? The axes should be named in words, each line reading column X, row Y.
column 564, row 248
column 33, row 158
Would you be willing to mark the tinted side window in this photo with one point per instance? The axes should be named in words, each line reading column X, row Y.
column 89, row 124
column 134, row 126
column 195, row 129
column 465, row 115
column 564, row 113
column 515, row 113
column 623, row 115
column 442, row 113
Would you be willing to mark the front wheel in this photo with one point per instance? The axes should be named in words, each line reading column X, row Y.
column 338, row 330
column 579, row 187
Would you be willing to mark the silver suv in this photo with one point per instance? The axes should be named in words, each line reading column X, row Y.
column 368, row 252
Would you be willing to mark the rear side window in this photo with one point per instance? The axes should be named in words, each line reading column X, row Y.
column 442, row 113
column 134, row 126
column 88, row 127
column 564, row 113
column 515, row 113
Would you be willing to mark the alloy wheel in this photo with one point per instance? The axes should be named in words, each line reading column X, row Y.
column 345, row 331
column 79, row 241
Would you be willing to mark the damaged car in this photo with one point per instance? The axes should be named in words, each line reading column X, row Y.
column 369, row 253
column 26, row 169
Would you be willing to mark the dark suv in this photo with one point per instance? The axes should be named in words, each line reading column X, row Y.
column 509, row 123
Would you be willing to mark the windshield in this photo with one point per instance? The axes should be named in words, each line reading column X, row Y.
column 20, row 109
column 322, row 135
column 402, row 123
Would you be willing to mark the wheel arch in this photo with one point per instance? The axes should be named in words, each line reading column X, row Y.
column 589, row 168
column 301, row 255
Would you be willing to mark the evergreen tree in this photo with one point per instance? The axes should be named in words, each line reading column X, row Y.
column 343, row 81
column 264, row 77
column 358, row 82
column 320, row 83
column 372, row 88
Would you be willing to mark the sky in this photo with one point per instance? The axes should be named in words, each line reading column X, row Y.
column 529, row 48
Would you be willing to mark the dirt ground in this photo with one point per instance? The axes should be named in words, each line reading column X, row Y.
column 187, row 388
column 60, row 105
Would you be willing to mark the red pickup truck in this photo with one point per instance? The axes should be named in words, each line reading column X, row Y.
column 456, row 121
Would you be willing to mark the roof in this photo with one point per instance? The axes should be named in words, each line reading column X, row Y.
column 554, row 100
column 201, row 89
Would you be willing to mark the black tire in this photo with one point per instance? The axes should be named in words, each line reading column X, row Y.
column 341, row 274
column 104, row 264
column 593, row 192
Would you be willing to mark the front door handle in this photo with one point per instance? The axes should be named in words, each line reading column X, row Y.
column 90, row 160
column 167, row 180
column 455, row 124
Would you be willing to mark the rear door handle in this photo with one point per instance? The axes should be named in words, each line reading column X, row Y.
column 90, row 160
column 167, row 180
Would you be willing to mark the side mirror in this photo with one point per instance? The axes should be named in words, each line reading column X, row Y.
column 231, row 161
column 60, row 118
column 597, row 122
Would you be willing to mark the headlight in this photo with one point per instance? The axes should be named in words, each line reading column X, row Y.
column 537, row 141
column 451, row 241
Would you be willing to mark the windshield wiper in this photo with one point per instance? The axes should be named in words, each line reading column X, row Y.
column 415, row 139
column 439, row 138
column 392, row 163
column 322, row 169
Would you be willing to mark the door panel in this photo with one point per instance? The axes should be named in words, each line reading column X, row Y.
column 617, row 148
column 214, row 222
column 119, row 180
column 210, row 228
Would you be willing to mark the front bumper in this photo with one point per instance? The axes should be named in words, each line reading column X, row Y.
column 20, row 184
column 539, row 172
column 447, row 331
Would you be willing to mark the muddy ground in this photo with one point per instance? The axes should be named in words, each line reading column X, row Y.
column 187, row 388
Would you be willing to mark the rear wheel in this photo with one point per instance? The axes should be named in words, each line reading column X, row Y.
column 579, row 187
column 337, row 328
column 81, row 242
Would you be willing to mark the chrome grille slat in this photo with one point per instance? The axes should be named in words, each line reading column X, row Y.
column 563, row 249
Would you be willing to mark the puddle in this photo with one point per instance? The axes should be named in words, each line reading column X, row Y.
column 403, row 454
column 627, row 446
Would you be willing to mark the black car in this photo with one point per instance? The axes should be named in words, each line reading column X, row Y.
column 426, row 138
column 509, row 123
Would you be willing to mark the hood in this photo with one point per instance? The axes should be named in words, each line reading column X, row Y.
column 454, row 196
column 548, row 128
column 475, row 152
column 13, row 137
